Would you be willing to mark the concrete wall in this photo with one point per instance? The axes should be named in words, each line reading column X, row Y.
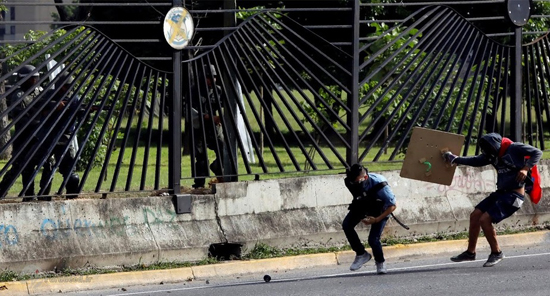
column 298, row 212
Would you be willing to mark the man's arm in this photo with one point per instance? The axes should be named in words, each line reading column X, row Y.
column 474, row 161
column 372, row 220
column 532, row 156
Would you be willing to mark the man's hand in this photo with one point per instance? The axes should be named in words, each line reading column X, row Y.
column 369, row 220
column 449, row 157
column 217, row 119
column 522, row 174
column 61, row 105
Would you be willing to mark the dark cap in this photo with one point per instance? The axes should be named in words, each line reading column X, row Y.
column 355, row 170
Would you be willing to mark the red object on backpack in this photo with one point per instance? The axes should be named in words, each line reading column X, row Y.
column 535, row 191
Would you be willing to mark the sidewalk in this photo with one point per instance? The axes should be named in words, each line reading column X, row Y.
column 236, row 268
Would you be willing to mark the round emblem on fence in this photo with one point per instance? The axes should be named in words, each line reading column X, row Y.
column 178, row 27
column 519, row 11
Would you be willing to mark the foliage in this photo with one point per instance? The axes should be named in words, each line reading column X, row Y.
column 20, row 53
column 540, row 24
column 91, row 92
column 93, row 95
column 263, row 251
column 393, row 92
column 244, row 14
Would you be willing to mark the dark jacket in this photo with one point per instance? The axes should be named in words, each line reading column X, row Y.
column 509, row 164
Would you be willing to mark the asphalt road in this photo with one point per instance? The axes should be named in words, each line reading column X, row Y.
column 523, row 272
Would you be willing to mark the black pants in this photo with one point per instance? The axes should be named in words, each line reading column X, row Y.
column 353, row 218
column 27, row 171
column 65, row 168
column 201, row 144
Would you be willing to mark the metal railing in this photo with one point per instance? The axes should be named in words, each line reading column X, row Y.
column 283, row 90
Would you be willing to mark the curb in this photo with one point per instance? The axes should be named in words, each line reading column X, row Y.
column 236, row 268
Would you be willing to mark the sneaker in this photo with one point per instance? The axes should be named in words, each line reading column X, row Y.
column 381, row 268
column 359, row 261
column 494, row 258
column 464, row 256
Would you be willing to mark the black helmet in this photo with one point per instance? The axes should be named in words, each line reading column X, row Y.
column 26, row 71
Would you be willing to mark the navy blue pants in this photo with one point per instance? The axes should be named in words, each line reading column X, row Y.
column 352, row 219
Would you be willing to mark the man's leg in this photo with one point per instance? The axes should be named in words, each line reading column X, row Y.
column 475, row 228
column 490, row 232
column 374, row 240
column 7, row 179
column 508, row 203
column 46, row 178
column 348, row 225
column 28, row 180
column 473, row 234
column 201, row 164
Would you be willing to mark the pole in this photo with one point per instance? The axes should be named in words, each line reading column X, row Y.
column 230, row 172
column 174, row 152
column 515, row 108
column 353, row 99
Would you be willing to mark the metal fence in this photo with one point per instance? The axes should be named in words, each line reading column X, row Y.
column 280, row 90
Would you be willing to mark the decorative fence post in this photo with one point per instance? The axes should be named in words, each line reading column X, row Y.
column 519, row 12
column 174, row 165
column 178, row 33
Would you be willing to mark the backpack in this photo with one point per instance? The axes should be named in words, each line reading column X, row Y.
column 533, row 180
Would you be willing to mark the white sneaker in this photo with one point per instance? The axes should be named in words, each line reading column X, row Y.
column 359, row 261
column 381, row 268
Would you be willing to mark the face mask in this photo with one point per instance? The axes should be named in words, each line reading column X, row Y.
column 361, row 180
column 491, row 158
column 488, row 151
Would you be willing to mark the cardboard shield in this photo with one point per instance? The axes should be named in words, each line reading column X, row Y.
column 423, row 160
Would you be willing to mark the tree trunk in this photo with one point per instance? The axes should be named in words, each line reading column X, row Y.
column 81, row 13
column 4, row 121
column 62, row 11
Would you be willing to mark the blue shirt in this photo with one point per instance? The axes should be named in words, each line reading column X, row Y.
column 385, row 194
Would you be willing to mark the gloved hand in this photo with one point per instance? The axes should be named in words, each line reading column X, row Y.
column 449, row 157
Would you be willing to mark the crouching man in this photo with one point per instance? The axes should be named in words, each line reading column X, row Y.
column 373, row 202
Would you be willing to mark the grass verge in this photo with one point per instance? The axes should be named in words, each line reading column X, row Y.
column 260, row 251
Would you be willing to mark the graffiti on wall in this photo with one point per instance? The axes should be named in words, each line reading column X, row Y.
column 54, row 229
column 468, row 182
column 8, row 235
column 60, row 229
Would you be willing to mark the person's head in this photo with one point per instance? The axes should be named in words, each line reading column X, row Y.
column 64, row 83
column 490, row 146
column 357, row 173
column 27, row 71
column 211, row 75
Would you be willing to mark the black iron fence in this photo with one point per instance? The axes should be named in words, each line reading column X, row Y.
column 260, row 91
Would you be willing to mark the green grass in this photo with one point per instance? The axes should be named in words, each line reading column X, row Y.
column 288, row 168
column 273, row 170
